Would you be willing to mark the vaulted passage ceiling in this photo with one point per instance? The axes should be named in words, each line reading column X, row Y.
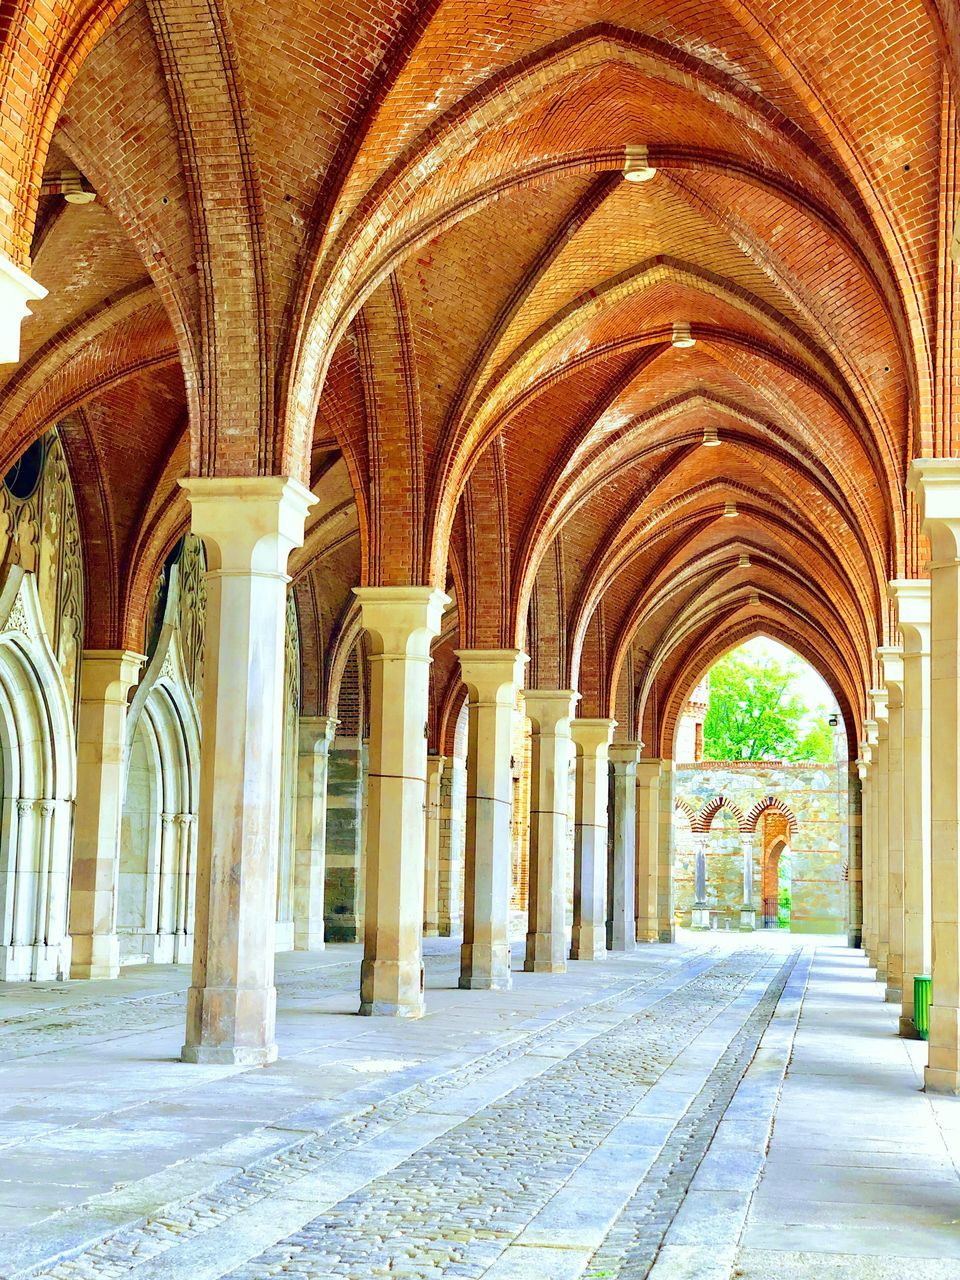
column 392, row 250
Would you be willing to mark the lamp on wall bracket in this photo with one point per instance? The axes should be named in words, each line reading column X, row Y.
column 730, row 509
column 710, row 437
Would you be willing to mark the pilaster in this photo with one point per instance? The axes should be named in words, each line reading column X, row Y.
column 622, row 863
column 648, row 849
column 431, row 854
column 891, row 661
column 310, row 854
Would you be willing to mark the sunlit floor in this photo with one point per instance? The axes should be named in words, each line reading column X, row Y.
column 610, row 1122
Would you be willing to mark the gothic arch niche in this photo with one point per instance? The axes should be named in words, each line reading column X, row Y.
column 157, row 878
column 776, row 870
column 38, row 755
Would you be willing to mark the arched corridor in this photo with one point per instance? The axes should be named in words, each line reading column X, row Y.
column 479, row 638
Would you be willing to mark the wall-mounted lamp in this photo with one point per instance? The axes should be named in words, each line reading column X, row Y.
column 637, row 167
column 710, row 437
column 682, row 337
column 730, row 510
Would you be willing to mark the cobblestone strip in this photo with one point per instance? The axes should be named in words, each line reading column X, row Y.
column 118, row 1255
column 632, row 1244
column 452, row 1207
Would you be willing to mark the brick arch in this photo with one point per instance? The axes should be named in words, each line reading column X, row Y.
column 705, row 817
column 686, row 808
column 771, row 804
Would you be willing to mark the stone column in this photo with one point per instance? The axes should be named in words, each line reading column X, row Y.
column 248, row 525
column 700, row 917
column 45, row 958
column 591, row 738
column 492, row 677
column 881, row 795
column 431, row 856
column 315, row 733
column 748, row 914
column 912, row 598
column 453, row 822
column 855, row 855
column 936, row 484
column 186, row 883
column 106, row 678
column 622, row 862
column 550, row 712
column 891, row 660
column 868, row 753
column 400, row 623
column 648, row 845
column 346, row 765
column 666, row 927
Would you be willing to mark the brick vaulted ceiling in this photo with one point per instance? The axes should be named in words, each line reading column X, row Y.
column 389, row 249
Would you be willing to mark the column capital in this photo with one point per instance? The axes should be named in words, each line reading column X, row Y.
column 316, row 733
column 649, row 771
column 871, row 733
column 891, row 666
column 912, row 599
column 401, row 621
column 624, row 754
column 550, row 707
column 492, row 675
column 249, row 524
column 878, row 697
column 591, row 734
column 17, row 289
column 935, row 483
column 108, row 675
column 435, row 766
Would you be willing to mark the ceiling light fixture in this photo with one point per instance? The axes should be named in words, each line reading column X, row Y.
column 744, row 562
column 71, row 184
column 682, row 337
column 754, row 598
column 730, row 509
column 710, row 437
column 637, row 167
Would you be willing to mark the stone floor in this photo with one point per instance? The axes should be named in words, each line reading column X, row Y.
column 612, row 1122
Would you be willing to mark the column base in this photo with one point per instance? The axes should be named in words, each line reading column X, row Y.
column 881, row 975
column 619, row 940
column 588, row 943
column 700, row 917
column 311, row 937
column 431, row 930
column 907, row 1030
column 667, row 933
column 229, row 1055
column 95, row 956
column 748, row 920
column 183, row 948
column 451, row 928
column 854, row 939
column 485, row 968
column 542, row 956
column 941, row 1080
column 893, row 995
column 30, row 961
column 391, row 989
column 343, row 929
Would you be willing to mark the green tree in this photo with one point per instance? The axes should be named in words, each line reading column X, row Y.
column 754, row 714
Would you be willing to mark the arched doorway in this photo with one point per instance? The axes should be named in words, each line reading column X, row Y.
column 776, row 883
column 38, row 780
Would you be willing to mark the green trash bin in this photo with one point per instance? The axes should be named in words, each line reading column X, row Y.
column 921, row 1005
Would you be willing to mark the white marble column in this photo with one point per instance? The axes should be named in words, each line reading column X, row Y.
column 881, row 807
column 700, row 916
column 550, row 712
column 248, row 525
column 106, row 677
column 431, row 852
column 622, row 864
column 315, row 734
column 936, row 484
column 666, row 925
column 891, row 661
column 912, row 598
column 591, row 738
column 648, row 849
column 493, row 678
column 400, row 623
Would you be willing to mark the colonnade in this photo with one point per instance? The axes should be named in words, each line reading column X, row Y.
column 903, row 864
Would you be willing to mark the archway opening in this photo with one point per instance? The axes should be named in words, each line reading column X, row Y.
column 762, row 737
